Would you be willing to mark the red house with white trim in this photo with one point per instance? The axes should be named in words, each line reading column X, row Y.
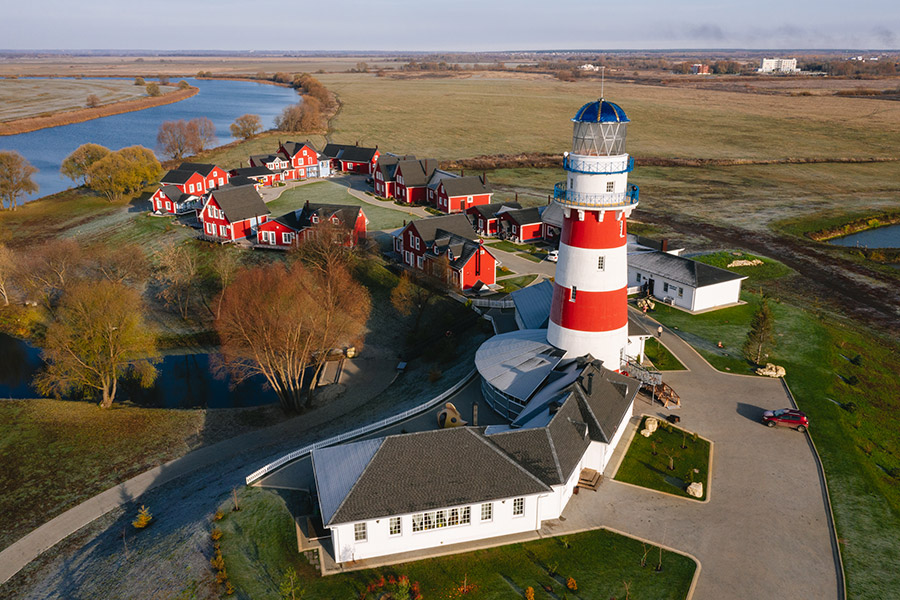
column 170, row 199
column 289, row 229
column 384, row 177
column 189, row 182
column 278, row 164
column 459, row 194
column 412, row 178
column 232, row 213
column 426, row 244
column 484, row 217
column 261, row 175
column 520, row 225
column 303, row 156
column 352, row 159
column 213, row 176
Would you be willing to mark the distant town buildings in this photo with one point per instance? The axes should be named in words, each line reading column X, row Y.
column 778, row 65
column 699, row 69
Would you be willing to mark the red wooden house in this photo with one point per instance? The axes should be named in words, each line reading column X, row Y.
column 458, row 194
column 189, row 182
column 412, row 180
column 170, row 199
column 278, row 164
column 352, row 159
column 261, row 175
column 384, row 177
column 303, row 156
column 287, row 230
column 520, row 225
column 427, row 244
column 212, row 175
column 232, row 213
column 484, row 217
column 436, row 178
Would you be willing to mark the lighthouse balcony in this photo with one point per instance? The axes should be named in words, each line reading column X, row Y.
column 590, row 165
column 568, row 197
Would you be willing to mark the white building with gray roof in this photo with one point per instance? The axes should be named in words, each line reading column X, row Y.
column 682, row 282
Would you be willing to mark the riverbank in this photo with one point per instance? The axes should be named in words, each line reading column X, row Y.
column 29, row 124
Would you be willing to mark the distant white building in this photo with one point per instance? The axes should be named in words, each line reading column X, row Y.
column 778, row 65
column 589, row 67
column 683, row 282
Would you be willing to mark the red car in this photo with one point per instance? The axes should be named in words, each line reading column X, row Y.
column 787, row 417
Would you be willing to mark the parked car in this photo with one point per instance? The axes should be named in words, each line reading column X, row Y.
column 786, row 417
column 553, row 255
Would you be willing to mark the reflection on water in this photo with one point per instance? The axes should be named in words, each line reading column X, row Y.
column 184, row 381
column 882, row 237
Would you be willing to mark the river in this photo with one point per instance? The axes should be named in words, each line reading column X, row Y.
column 184, row 381
column 881, row 237
column 221, row 101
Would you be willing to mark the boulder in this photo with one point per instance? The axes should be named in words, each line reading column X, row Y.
column 695, row 489
column 771, row 370
column 744, row 263
column 651, row 424
column 646, row 432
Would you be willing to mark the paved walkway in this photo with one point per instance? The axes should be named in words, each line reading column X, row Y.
column 522, row 266
column 364, row 379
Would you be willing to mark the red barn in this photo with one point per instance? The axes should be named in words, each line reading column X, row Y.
column 170, row 199
column 291, row 228
column 484, row 217
column 212, row 175
column 261, row 175
column 232, row 213
column 278, row 164
column 412, row 180
column 352, row 159
column 458, row 194
column 520, row 225
column 426, row 244
column 303, row 156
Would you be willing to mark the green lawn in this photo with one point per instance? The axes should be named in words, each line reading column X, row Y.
column 516, row 283
column 644, row 468
column 507, row 246
column 259, row 545
column 770, row 269
column 660, row 356
column 329, row 192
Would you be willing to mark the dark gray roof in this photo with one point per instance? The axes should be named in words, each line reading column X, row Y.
column 202, row 168
column 604, row 396
column 489, row 211
column 434, row 227
column 461, row 248
column 680, row 269
column 252, row 172
column 239, row 180
column 346, row 213
column 524, row 216
column 533, row 304
column 466, row 186
column 173, row 193
column 336, row 470
column 437, row 176
column 424, row 471
column 239, row 203
column 266, row 158
column 416, row 173
column 387, row 164
column 177, row 176
column 292, row 148
column 349, row 152
column 635, row 328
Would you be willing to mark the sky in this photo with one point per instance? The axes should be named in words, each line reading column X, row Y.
column 462, row 25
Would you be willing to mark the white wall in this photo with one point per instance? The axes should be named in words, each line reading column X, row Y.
column 381, row 543
column 719, row 294
column 686, row 300
column 634, row 349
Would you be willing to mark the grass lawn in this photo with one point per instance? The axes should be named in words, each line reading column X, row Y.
column 20, row 98
column 641, row 467
column 770, row 269
column 516, row 283
column 53, row 215
column 531, row 257
column 507, row 246
column 328, row 192
column 259, row 545
column 854, row 426
column 660, row 356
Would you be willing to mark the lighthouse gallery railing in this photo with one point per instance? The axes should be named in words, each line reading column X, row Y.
column 574, row 164
column 590, row 200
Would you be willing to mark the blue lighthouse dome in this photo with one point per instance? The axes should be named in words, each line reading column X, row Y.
column 600, row 111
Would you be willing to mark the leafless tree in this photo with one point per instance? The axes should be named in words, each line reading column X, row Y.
column 178, row 273
column 206, row 132
column 49, row 268
column 8, row 271
column 178, row 138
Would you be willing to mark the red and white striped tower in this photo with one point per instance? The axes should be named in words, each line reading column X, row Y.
column 589, row 314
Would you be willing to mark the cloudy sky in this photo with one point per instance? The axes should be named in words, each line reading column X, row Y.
column 459, row 25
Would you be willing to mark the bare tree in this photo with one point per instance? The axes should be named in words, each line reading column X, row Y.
column 97, row 337
column 305, row 116
column 179, row 268
column 15, row 179
column 51, row 267
column 409, row 297
column 77, row 165
column 8, row 272
column 224, row 263
column 246, row 126
column 177, row 138
column 125, row 263
column 326, row 245
column 206, row 133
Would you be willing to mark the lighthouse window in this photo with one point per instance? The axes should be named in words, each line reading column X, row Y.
column 574, row 291
column 601, row 260
column 610, row 186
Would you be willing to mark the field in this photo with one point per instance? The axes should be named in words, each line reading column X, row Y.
column 259, row 545
column 20, row 98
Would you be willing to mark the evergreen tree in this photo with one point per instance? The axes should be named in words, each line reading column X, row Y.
column 761, row 337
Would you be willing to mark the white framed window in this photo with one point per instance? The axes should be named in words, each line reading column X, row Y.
column 418, row 523
column 610, row 186
column 359, row 532
column 665, row 286
column 622, row 228
column 601, row 263
column 221, row 181
column 211, row 228
column 419, row 262
column 574, row 293
column 448, row 517
column 465, row 515
column 287, row 237
column 223, row 231
column 487, row 511
column 518, row 507
column 637, row 277
column 191, row 187
column 394, row 528
column 681, row 292
column 168, row 205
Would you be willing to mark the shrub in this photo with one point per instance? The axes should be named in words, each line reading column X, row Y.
column 216, row 534
column 143, row 519
column 218, row 516
column 571, row 584
column 139, row 81
column 529, row 593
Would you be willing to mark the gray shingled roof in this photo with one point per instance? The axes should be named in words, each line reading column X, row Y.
column 176, row 176
column 239, row 203
column 173, row 193
column 533, row 304
column 202, row 168
column 466, row 186
column 524, row 216
column 252, row 172
column 438, row 176
column 416, row 472
column 337, row 469
column 489, row 211
column 604, row 396
column 432, row 228
column 679, row 269
column 292, row 148
column 349, row 152
column 417, row 172
column 553, row 214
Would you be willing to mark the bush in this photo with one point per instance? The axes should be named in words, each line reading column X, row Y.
column 92, row 101
column 153, row 89
column 139, row 81
column 143, row 519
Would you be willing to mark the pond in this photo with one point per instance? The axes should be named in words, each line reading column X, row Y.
column 882, row 237
column 184, row 381
column 220, row 101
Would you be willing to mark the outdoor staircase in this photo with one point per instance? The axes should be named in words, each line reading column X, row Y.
column 590, row 479
column 649, row 377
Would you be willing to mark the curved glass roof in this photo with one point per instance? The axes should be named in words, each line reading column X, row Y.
column 601, row 111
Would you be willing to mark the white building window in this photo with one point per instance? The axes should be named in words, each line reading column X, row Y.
column 518, row 507
column 665, row 286
column 287, row 237
column 223, row 231
column 601, row 262
column 359, row 532
column 394, row 527
column 211, row 228
column 637, row 277
column 681, row 292
column 448, row 517
column 487, row 511
column 610, row 186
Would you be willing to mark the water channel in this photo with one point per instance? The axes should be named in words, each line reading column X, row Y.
column 221, row 101
column 184, row 381
column 882, row 237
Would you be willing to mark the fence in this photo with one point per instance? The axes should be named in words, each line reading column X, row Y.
column 485, row 303
column 349, row 435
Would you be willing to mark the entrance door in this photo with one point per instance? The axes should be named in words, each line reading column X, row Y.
column 650, row 283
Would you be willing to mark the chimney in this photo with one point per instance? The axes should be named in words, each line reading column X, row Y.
column 664, row 245
column 549, row 199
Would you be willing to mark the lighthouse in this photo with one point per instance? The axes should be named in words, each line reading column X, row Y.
column 589, row 310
